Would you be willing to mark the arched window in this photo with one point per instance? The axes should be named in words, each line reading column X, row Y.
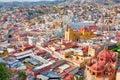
column 93, row 73
column 101, row 59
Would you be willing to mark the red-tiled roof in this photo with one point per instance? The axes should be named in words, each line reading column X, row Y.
column 70, row 44
column 27, row 45
column 108, row 18
column 51, row 58
column 68, row 77
column 84, row 28
column 14, row 40
column 93, row 28
column 22, row 35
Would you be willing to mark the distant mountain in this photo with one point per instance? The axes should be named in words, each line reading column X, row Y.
column 54, row 2
column 93, row 1
column 26, row 4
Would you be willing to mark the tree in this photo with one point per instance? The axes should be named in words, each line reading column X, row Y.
column 3, row 72
column 118, row 44
column 79, row 78
column 119, row 55
column 106, row 14
column 22, row 76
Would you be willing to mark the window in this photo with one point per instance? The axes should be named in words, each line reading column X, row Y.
column 93, row 73
column 87, row 68
column 101, row 59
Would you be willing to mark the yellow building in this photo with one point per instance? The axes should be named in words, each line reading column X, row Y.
column 81, row 34
column 69, row 34
column 4, row 53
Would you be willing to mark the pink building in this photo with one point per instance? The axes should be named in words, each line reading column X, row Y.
column 118, row 36
column 103, row 66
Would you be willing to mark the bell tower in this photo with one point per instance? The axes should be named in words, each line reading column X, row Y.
column 69, row 34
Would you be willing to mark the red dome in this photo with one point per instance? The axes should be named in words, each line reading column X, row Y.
column 96, row 67
column 101, row 63
column 112, row 53
column 105, row 55
column 84, row 28
column 103, row 60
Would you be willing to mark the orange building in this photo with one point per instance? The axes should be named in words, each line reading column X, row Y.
column 103, row 67
column 81, row 34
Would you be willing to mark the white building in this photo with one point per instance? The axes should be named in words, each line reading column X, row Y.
column 30, row 40
column 118, row 76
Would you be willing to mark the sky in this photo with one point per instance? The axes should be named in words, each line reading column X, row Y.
column 23, row 0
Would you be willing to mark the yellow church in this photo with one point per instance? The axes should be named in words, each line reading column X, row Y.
column 82, row 34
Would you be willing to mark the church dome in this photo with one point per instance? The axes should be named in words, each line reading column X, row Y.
column 96, row 67
column 105, row 55
column 84, row 28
